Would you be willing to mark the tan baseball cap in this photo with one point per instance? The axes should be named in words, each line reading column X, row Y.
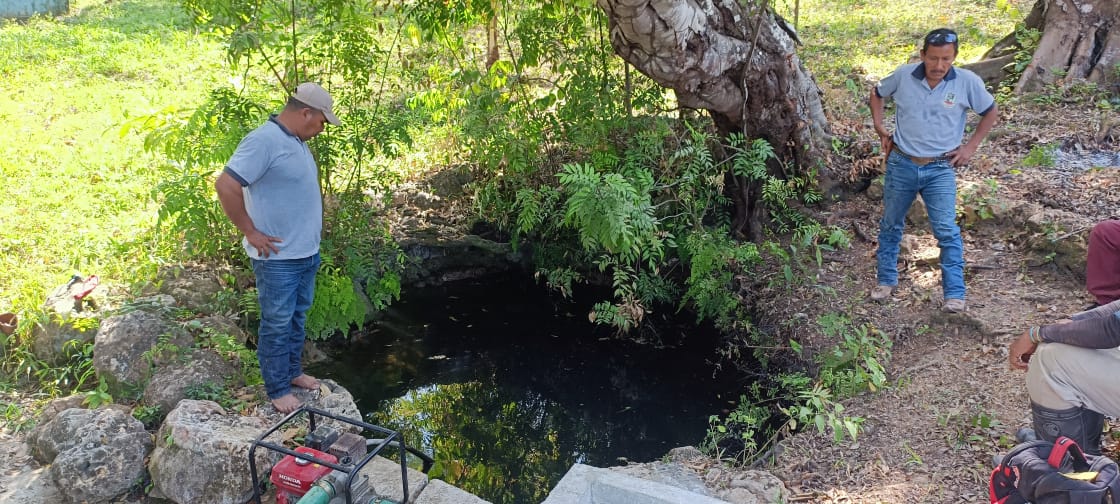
column 314, row 96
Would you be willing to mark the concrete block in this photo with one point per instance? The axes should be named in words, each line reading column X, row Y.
column 591, row 485
column 439, row 492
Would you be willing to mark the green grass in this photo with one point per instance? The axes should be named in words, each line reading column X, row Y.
column 76, row 193
column 874, row 37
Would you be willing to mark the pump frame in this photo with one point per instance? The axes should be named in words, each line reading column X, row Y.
column 389, row 437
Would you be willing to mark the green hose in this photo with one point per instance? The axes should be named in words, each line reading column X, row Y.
column 317, row 495
column 323, row 492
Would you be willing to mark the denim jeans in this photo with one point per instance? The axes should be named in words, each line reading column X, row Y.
column 937, row 183
column 285, row 289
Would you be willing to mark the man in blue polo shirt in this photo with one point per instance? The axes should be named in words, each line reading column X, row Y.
column 270, row 190
column 932, row 100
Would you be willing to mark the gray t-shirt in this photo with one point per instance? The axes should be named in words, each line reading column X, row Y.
column 280, row 181
column 930, row 122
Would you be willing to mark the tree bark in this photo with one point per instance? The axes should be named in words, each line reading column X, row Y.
column 492, row 35
column 1080, row 41
column 738, row 63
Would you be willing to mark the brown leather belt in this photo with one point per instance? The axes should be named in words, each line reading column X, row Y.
column 920, row 161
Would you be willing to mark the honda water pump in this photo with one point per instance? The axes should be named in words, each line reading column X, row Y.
column 327, row 469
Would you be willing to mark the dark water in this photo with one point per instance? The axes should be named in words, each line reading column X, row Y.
column 506, row 387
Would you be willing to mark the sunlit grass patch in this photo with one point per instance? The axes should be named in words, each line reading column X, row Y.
column 76, row 191
column 873, row 37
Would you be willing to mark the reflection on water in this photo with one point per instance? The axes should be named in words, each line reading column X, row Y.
column 507, row 389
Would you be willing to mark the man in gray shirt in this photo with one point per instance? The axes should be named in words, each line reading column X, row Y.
column 270, row 190
column 932, row 100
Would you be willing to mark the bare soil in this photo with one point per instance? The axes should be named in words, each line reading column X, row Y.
column 952, row 402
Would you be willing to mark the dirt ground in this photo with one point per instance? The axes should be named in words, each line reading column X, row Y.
column 952, row 401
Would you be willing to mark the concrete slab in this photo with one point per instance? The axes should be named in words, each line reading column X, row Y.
column 439, row 492
column 584, row 484
column 385, row 479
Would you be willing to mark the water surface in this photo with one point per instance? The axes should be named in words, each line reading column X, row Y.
column 507, row 387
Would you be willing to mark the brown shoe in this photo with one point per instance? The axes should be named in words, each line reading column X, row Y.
column 882, row 293
column 954, row 306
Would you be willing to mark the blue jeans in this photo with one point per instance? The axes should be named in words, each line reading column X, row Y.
column 937, row 183
column 285, row 289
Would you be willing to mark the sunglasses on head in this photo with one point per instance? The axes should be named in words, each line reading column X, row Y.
column 941, row 38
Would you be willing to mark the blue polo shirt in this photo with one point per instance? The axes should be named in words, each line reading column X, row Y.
column 930, row 122
column 280, row 181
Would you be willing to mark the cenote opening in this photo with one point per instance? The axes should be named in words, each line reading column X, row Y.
column 507, row 387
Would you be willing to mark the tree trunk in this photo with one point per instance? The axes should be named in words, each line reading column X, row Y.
column 738, row 63
column 1080, row 41
column 492, row 35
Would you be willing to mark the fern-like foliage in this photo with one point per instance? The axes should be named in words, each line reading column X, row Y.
column 611, row 212
column 713, row 258
column 336, row 307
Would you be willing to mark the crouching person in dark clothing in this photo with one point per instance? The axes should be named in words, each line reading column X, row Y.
column 1071, row 375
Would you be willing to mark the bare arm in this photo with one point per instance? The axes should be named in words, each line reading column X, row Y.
column 963, row 154
column 876, row 105
column 233, row 204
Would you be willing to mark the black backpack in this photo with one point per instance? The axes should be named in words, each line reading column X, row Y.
column 1041, row 472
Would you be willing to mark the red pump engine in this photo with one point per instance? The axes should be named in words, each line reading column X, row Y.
column 294, row 477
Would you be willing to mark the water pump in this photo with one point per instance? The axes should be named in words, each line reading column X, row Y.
column 327, row 469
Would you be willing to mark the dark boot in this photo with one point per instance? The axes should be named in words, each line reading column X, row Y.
column 1079, row 424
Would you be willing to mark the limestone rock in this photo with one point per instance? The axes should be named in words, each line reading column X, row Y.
column 220, row 324
column 331, row 398
column 169, row 384
column 202, row 452
column 94, row 455
column 195, row 287
column 875, row 190
column 917, row 215
column 754, row 487
column 122, row 341
column 67, row 319
column 56, row 406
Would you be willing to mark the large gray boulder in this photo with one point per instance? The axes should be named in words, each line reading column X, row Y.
column 170, row 383
column 94, row 455
column 202, row 455
column 123, row 340
column 195, row 287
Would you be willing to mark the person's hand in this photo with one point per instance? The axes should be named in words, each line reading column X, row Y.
column 961, row 155
column 1020, row 351
column 263, row 243
column 885, row 140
